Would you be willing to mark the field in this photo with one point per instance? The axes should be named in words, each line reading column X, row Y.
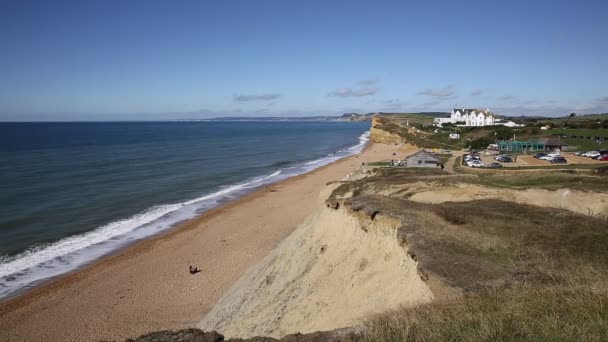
column 428, row 136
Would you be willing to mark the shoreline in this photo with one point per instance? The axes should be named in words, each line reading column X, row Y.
column 144, row 243
column 71, row 303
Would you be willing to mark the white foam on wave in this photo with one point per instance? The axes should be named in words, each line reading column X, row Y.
column 30, row 267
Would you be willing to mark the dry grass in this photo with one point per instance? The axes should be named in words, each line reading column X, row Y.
column 526, row 313
column 527, row 273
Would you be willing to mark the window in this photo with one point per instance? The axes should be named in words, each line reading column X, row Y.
column 420, row 162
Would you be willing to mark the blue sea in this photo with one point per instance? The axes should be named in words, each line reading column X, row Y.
column 73, row 192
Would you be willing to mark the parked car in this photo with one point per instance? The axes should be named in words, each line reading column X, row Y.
column 558, row 160
column 504, row 159
column 590, row 154
column 550, row 156
column 495, row 165
column 604, row 157
column 539, row 154
column 475, row 163
column 579, row 153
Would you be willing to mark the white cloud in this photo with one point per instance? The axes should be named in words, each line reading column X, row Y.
column 251, row 97
column 349, row 92
column 368, row 82
column 439, row 94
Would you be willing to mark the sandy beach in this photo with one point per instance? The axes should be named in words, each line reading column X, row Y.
column 147, row 287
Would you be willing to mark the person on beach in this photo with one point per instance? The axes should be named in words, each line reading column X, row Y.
column 194, row 270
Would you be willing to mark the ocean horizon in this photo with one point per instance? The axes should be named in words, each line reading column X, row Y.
column 73, row 192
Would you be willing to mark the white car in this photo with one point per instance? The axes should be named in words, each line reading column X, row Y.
column 550, row 156
column 475, row 163
column 591, row 154
column 586, row 154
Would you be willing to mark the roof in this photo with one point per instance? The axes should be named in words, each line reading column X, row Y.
column 471, row 110
column 548, row 141
column 423, row 154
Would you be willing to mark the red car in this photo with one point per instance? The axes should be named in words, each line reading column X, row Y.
column 604, row 157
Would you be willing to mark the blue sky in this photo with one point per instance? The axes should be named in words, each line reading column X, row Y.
column 150, row 60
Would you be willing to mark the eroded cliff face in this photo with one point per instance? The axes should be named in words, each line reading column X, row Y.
column 336, row 269
column 378, row 135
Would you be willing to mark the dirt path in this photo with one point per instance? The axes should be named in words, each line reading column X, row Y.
column 449, row 166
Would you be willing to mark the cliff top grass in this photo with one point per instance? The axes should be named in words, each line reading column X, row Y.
column 501, row 271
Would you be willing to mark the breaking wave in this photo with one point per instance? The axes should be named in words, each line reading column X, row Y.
column 29, row 268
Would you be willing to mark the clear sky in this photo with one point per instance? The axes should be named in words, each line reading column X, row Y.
column 149, row 60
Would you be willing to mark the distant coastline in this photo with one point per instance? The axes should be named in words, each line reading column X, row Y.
column 346, row 117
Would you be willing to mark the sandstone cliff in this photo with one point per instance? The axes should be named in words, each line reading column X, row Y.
column 335, row 270
column 380, row 135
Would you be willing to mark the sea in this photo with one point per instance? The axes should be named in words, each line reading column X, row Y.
column 71, row 193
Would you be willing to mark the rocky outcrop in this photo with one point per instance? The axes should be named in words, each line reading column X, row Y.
column 196, row 335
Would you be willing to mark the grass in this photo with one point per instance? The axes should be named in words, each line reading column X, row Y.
column 556, row 167
column 549, row 181
column 524, row 273
column 522, row 314
column 379, row 163
column 580, row 131
column 585, row 145
column 527, row 273
column 412, row 118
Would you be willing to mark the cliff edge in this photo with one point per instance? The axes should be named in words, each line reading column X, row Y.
column 336, row 269
column 380, row 135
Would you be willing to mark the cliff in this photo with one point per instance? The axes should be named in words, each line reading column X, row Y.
column 336, row 269
column 380, row 134
column 355, row 117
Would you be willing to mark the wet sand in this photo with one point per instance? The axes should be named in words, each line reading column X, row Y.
column 147, row 287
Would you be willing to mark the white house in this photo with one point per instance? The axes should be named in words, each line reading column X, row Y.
column 468, row 117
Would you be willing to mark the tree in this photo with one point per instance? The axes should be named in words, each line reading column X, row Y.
column 572, row 115
column 481, row 143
